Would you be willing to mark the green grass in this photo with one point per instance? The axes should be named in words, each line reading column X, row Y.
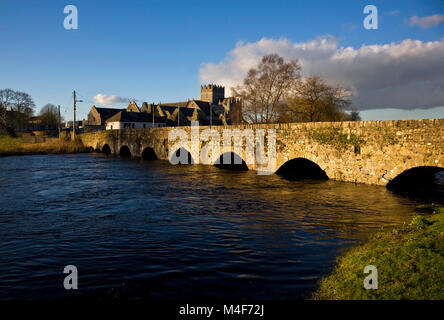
column 7, row 143
column 14, row 147
column 409, row 259
column 337, row 138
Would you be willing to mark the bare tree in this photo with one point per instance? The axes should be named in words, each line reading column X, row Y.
column 15, row 109
column 49, row 115
column 313, row 99
column 24, row 103
column 6, row 100
column 264, row 89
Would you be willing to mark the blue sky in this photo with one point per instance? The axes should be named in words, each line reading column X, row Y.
column 162, row 50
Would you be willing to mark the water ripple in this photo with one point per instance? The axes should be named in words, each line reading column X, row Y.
column 139, row 229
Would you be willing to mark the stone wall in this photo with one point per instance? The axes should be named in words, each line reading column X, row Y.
column 371, row 152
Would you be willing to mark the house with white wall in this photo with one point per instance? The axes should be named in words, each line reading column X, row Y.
column 132, row 120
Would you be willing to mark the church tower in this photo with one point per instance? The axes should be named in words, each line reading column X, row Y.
column 212, row 93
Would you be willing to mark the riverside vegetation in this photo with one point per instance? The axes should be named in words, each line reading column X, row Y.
column 409, row 259
column 14, row 146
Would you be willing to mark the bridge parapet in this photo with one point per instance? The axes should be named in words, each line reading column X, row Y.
column 371, row 152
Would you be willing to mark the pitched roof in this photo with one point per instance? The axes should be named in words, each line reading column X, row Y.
column 175, row 104
column 106, row 113
column 133, row 107
column 145, row 107
column 187, row 111
column 125, row 116
column 204, row 105
column 167, row 113
column 183, row 110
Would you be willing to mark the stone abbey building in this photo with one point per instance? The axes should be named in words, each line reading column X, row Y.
column 212, row 108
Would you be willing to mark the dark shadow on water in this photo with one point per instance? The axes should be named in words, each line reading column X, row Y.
column 149, row 154
column 231, row 161
column 125, row 152
column 425, row 184
column 106, row 149
column 301, row 169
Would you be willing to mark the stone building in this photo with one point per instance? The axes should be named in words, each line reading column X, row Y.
column 212, row 108
column 216, row 96
column 173, row 115
column 212, row 93
column 98, row 116
column 134, row 120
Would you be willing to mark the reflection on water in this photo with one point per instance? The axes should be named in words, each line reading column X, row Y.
column 153, row 230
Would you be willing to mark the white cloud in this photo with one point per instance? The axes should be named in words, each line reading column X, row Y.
column 392, row 13
column 105, row 99
column 405, row 75
column 426, row 22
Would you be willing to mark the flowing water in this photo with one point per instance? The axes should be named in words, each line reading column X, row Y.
column 150, row 230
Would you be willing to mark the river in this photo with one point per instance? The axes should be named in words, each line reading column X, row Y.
column 150, row 230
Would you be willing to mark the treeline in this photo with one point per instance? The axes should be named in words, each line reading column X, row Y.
column 17, row 109
column 275, row 92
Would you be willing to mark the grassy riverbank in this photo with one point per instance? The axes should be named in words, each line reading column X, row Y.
column 14, row 147
column 409, row 260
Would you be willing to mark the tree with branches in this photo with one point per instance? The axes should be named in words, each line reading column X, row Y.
column 16, row 108
column 264, row 89
column 49, row 115
column 313, row 99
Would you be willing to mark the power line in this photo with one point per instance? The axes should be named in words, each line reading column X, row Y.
column 84, row 99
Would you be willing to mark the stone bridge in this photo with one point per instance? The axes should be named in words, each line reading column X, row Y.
column 373, row 152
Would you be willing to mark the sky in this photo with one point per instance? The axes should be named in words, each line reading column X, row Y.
column 163, row 50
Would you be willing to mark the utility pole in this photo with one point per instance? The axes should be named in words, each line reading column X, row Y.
column 178, row 116
column 153, row 114
column 59, row 122
column 74, row 120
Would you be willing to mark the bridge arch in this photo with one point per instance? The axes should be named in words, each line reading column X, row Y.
column 231, row 161
column 301, row 168
column 125, row 151
column 106, row 149
column 181, row 156
column 148, row 153
column 421, row 178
